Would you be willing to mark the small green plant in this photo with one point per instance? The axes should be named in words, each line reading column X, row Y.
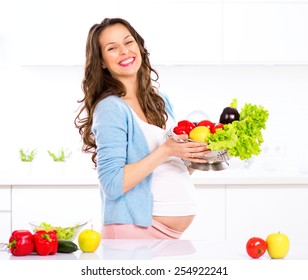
column 61, row 156
column 27, row 155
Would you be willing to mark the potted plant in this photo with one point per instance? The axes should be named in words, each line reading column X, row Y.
column 59, row 158
column 27, row 156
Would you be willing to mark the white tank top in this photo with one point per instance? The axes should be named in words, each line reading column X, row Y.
column 172, row 189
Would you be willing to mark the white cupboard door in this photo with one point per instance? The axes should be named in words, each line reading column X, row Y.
column 177, row 32
column 5, row 213
column 55, row 32
column 209, row 223
column 5, row 198
column 261, row 210
column 265, row 33
column 5, row 227
column 55, row 204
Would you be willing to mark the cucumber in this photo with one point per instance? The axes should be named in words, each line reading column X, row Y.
column 66, row 246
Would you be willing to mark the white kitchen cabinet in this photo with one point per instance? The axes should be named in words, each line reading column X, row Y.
column 258, row 210
column 175, row 32
column 265, row 1
column 5, row 213
column 237, row 210
column 71, row 203
column 265, row 32
column 55, row 32
column 55, row 204
column 5, row 198
column 209, row 223
column 178, row 32
column 5, row 222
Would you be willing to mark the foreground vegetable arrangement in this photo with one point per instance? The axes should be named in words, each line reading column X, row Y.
column 23, row 243
column 276, row 244
column 43, row 243
column 240, row 133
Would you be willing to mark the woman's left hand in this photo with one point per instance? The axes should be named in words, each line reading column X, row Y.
column 187, row 150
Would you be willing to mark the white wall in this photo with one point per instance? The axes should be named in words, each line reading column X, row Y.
column 234, row 55
column 39, row 103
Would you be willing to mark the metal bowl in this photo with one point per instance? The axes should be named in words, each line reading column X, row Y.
column 214, row 166
column 216, row 161
column 217, row 156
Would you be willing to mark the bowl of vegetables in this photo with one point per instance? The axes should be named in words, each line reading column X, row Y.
column 64, row 231
column 238, row 133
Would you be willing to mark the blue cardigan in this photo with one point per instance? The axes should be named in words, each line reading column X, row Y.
column 120, row 141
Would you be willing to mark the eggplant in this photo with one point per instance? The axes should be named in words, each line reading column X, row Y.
column 228, row 115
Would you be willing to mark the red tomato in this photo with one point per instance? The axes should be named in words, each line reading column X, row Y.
column 206, row 123
column 216, row 126
column 256, row 247
column 185, row 126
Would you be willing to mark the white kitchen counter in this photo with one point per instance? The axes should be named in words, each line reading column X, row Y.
column 256, row 198
column 167, row 250
column 224, row 177
column 260, row 172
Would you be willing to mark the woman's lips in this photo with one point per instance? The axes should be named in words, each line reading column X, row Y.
column 127, row 61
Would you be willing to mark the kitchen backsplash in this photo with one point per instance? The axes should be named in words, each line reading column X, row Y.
column 39, row 104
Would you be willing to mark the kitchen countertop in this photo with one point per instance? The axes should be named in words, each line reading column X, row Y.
column 225, row 177
column 237, row 173
column 167, row 250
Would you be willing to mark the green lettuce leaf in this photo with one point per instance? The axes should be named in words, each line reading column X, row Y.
column 242, row 138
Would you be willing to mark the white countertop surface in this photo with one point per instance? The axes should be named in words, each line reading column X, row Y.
column 225, row 177
column 167, row 250
column 236, row 174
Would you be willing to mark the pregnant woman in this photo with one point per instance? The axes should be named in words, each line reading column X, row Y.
column 124, row 121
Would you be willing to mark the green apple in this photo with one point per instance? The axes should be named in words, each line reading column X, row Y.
column 277, row 245
column 89, row 240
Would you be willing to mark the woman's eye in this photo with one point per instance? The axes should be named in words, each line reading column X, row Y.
column 129, row 42
column 111, row 48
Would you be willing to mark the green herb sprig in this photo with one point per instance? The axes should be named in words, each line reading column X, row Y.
column 61, row 156
column 27, row 155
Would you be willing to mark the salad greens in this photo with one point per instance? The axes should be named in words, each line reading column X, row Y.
column 241, row 138
column 66, row 233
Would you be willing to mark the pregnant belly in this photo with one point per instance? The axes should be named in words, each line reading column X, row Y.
column 178, row 223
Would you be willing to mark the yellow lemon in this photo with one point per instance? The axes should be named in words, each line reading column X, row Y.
column 200, row 133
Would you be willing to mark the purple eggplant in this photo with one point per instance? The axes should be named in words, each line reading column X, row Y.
column 229, row 115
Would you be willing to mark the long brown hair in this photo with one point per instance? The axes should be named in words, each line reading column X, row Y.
column 98, row 83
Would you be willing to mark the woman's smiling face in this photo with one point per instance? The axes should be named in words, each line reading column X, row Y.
column 120, row 52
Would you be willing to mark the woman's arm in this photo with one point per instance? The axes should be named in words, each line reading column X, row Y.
column 134, row 173
column 116, row 174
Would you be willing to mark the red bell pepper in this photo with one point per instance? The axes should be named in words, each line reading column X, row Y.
column 21, row 243
column 46, row 242
column 184, row 127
